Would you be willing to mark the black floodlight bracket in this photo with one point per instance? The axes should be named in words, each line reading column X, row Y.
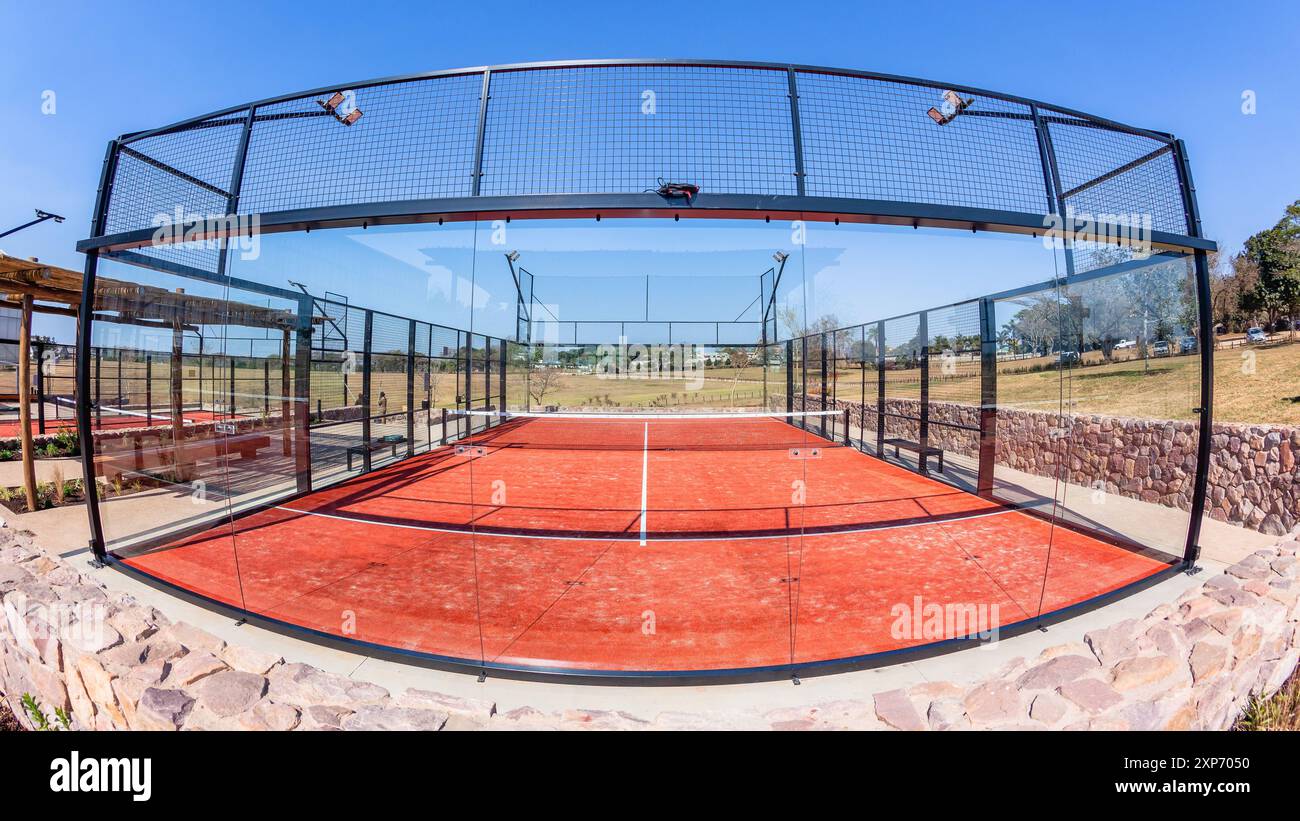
column 672, row 190
column 331, row 108
column 953, row 105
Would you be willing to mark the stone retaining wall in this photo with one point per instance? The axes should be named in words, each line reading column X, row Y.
column 1253, row 479
column 1190, row 664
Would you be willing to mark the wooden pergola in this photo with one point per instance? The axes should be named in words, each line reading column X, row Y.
column 34, row 287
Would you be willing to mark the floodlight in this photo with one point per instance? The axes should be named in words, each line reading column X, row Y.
column 952, row 105
column 332, row 104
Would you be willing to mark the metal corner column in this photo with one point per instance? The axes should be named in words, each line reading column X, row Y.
column 988, row 433
column 1205, row 314
column 85, row 318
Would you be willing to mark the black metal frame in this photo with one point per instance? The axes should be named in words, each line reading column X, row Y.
column 760, row 205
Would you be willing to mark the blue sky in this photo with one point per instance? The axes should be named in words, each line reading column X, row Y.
column 127, row 66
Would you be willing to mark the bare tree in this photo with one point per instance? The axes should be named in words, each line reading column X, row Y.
column 542, row 381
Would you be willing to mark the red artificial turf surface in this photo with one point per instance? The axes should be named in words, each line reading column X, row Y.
column 554, row 574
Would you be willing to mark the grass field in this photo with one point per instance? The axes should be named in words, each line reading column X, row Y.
column 1253, row 384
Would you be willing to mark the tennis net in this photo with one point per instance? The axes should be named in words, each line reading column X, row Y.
column 109, row 416
column 650, row 431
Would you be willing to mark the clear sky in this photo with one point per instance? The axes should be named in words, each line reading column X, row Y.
column 124, row 66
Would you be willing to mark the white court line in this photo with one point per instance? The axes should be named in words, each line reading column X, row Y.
column 645, row 472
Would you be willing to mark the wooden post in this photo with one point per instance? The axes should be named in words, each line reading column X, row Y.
column 25, row 402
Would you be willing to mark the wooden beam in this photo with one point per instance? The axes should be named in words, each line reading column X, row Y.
column 40, row 309
column 25, row 401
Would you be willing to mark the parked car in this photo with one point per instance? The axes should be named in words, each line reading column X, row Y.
column 1161, row 348
column 1125, row 343
column 1067, row 358
column 1256, row 335
column 1187, row 344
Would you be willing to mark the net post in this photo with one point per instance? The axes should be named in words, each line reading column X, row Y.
column 266, row 387
column 443, row 439
column 848, row 434
column 148, row 390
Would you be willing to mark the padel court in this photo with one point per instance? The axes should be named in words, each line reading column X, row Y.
column 642, row 544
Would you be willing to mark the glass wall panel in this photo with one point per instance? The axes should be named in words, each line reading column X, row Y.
column 164, row 435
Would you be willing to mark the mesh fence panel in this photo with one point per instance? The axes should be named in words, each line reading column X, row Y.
column 622, row 128
column 415, row 140
column 1104, row 171
column 872, row 139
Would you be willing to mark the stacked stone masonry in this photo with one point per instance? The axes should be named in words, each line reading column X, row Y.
column 1189, row 664
column 1253, row 477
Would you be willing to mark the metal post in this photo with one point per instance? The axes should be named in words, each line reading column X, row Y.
column 796, row 132
column 365, row 392
column 266, row 387
column 85, row 318
column 823, row 388
column 302, row 396
column 1192, row 550
column 880, row 389
column 40, row 387
column 924, row 438
column 487, row 378
column 501, row 376
column 803, row 380
column 230, row 408
column 410, row 390
column 148, row 390
column 484, row 96
column 119, row 378
column 789, row 380
column 99, row 362
column 988, row 435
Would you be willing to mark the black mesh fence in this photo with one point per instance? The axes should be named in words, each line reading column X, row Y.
column 622, row 129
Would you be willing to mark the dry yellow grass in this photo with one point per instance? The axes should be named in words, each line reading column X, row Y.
column 1253, row 384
